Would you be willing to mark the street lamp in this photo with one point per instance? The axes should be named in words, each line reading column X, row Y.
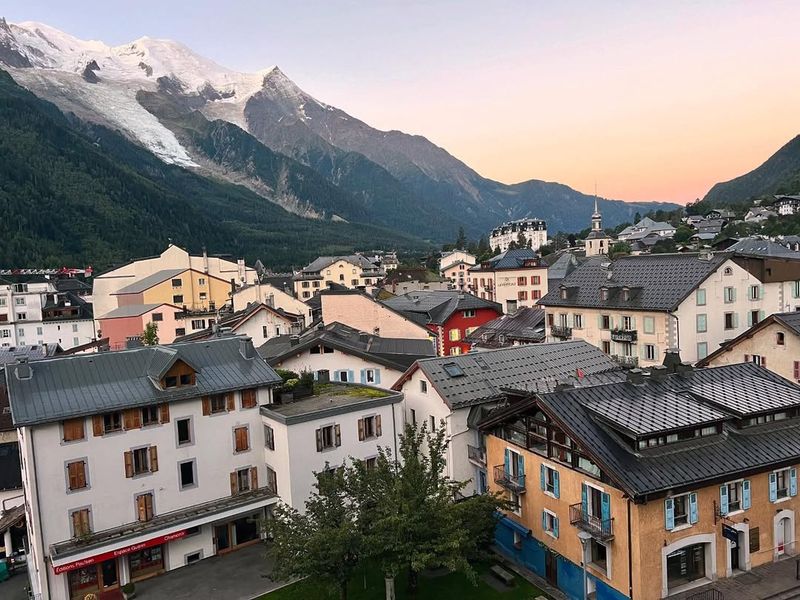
column 584, row 537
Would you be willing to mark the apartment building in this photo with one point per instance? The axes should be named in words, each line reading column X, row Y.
column 532, row 231
column 356, row 309
column 450, row 315
column 337, row 423
column 271, row 295
column 353, row 272
column 33, row 312
column 636, row 308
column 259, row 322
column 139, row 461
column 460, row 390
column 454, row 267
column 660, row 484
column 514, row 279
column 190, row 289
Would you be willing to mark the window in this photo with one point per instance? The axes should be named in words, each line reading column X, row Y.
column 371, row 463
column 433, row 422
column 217, row 403
column 203, row 295
column 605, row 322
column 22, row 317
column 369, row 375
column 272, row 479
column 328, row 437
column 536, row 280
column 150, row 415
column 326, row 349
column 604, row 294
column 650, row 352
column 550, row 523
column 599, row 555
column 157, row 317
column 454, row 335
column 112, row 422
column 81, row 525
column 413, row 417
column 241, row 439
column 606, row 346
column 184, row 428
column 73, row 430
column 517, row 540
column 201, row 281
column 730, row 320
column 19, row 301
column 187, row 474
column 702, row 350
column 701, row 297
column 177, row 299
column 780, row 338
column 369, row 427
column 198, row 323
column 627, row 323
column 244, row 480
column 755, row 292
column 144, row 507
column 269, row 437
column 702, row 323
column 177, row 283
column 3, row 300
column 734, row 496
column 76, row 475
column 342, row 376
column 141, row 461
column 782, row 484
column 755, row 316
column 680, row 510
column 468, row 313
column 180, row 331
column 797, row 371
column 729, row 295
column 577, row 321
column 249, row 398
column 755, row 544
column 550, row 481
column 522, row 296
column 536, row 294
column 728, row 271
column 522, row 281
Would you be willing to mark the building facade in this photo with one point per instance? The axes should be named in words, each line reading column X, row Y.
column 353, row 272
column 454, row 267
column 532, row 231
column 514, row 279
column 598, row 242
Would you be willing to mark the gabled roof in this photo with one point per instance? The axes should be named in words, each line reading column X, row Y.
column 134, row 310
column 87, row 384
column 436, row 306
column 394, row 353
column 510, row 259
column 531, row 368
column 758, row 247
column 325, row 261
column 234, row 321
column 655, row 281
column 525, row 325
column 145, row 283
column 790, row 320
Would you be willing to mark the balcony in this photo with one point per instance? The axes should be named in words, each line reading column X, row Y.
column 631, row 362
column 561, row 331
column 476, row 455
column 624, row 335
column 600, row 529
column 514, row 483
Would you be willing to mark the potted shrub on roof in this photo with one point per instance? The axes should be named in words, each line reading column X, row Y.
column 129, row 590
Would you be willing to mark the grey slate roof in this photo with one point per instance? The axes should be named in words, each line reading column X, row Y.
column 436, row 306
column 133, row 310
column 10, row 354
column 146, row 283
column 656, row 281
column 643, row 228
column 681, row 465
column 87, row 384
column 336, row 400
column 395, row 353
column 532, row 367
column 757, row 247
column 324, row 261
column 510, row 259
column 525, row 325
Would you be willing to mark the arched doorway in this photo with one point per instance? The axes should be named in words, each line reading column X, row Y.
column 783, row 534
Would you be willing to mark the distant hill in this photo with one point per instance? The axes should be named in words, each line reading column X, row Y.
column 780, row 174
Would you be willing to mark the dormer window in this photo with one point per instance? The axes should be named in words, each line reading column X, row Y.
column 604, row 294
column 180, row 374
column 563, row 293
column 626, row 294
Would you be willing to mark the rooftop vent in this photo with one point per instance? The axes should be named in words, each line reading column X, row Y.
column 24, row 371
column 659, row 372
column 246, row 348
column 635, row 376
column 294, row 340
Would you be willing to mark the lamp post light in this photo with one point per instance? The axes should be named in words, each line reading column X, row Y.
column 584, row 537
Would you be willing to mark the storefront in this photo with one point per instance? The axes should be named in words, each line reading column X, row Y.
column 146, row 563
column 686, row 565
column 233, row 534
column 95, row 578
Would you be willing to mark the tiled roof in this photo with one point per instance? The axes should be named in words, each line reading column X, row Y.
column 134, row 310
column 510, row 259
column 234, row 320
column 526, row 324
column 10, row 354
column 655, row 281
column 437, row 306
column 324, row 261
column 86, row 384
column 146, row 283
column 531, row 367
column 757, row 247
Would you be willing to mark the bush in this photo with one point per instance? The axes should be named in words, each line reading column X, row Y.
column 286, row 374
column 128, row 588
column 290, row 384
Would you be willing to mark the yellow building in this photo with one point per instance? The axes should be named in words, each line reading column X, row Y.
column 353, row 272
column 189, row 289
column 673, row 480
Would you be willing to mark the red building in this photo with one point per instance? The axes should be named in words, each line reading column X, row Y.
column 451, row 315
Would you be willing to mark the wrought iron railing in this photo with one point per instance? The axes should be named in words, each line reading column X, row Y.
column 626, row 361
column 561, row 331
column 624, row 335
column 602, row 529
column 712, row 594
column 515, row 483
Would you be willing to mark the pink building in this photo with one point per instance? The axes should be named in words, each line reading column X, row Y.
column 127, row 323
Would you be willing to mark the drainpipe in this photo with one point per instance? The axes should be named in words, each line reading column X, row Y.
column 630, row 555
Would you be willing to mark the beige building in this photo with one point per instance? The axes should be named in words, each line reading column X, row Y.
column 638, row 307
column 264, row 293
column 515, row 279
column 357, row 310
column 454, row 267
column 773, row 343
column 353, row 272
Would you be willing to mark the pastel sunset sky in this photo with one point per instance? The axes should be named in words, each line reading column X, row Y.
column 650, row 100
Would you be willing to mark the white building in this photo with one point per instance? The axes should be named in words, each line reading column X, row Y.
column 147, row 460
column 647, row 227
column 354, row 272
column 787, row 205
column 325, row 431
column 454, row 267
column 460, row 390
column 35, row 313
column 533, row 230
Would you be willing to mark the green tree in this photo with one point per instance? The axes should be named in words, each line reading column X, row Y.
column 461, row 240
column 149, row 336
column 325, row 541
column 484, row 249
column 683, row 234
column 546, row 249
column 637, row 217
column 619, row 249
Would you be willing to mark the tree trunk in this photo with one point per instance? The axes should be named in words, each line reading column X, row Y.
column 412, row 583
column 343, row 590
column 389, row 583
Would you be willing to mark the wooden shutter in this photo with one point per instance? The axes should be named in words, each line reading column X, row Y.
column 234, row 485
column 76, row 473
column 132, row 418
column 73, row 430
column 338, row 431
column 141, row 507
column 80, row 522
column 76, row 523
column 129, row 464
column 153, row 459
column 361, row 434
column 97, row 425
column 206, row 406
column 248, row 398
column 164, row 410
column 253, row 478
column 319, row 440
column 241, row 439
column 378, row 430
column 230, row 402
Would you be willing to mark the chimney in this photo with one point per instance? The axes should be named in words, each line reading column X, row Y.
column 271, row 301
column 363, row 337
column 24, row 371
column 658, row 372
column 323, row 376
column 671, row 360
column 684, row 367
column 246, row 348
column 205, row 261
column 294, row 340
column 635, row 376
column 240, row 267
column 233, row 286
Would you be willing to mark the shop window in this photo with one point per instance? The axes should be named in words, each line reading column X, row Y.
column 146, row 562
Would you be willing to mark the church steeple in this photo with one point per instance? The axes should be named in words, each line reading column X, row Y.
column 597, row 218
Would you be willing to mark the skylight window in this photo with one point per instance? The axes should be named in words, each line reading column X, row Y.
column 453, row 370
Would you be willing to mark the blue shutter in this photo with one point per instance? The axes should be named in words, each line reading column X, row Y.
column 541, row 477
column 793, row 482
column 761, row 315
column 605, row 507
column 749, row 318
column 746, row 494
column 507, row 462
column 556, row 485
column 773, row 487
column 723, row 499
column 692, row 508
column 555, row 526
column 669, row 514
column 351, row 376
column 761, row 292
column 544, row 521
column 377, row 376
column 363, row 376
column 584, row 498
column 521, row 467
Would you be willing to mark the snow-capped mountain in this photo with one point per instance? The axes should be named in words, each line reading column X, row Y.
column 148, row 89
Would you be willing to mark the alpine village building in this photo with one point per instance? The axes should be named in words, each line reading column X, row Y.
column 514, row 279
column 672, row 479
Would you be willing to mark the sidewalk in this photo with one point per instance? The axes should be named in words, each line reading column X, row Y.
column 774, row 581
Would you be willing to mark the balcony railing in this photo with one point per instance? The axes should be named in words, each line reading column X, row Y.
column 601, row 529
column 476, row 455
column 561, row 331
column 515, row 483
column 624, row 335
column 626, row 361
